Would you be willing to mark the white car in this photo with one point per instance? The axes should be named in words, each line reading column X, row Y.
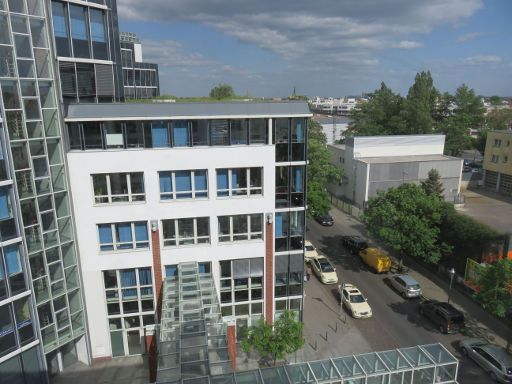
column 324, row 270
column 354, row 301
column 309, row 251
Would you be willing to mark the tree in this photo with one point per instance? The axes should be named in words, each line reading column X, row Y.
column 469, row 107
column 495, row 100
column 380, row 115
column 499, row 119
column 275, row 342
column 420, row 104
column 407, row 219
column 495, row 287
column 433, row 186
column 320, row 171
column 222, row 91
column 456, row 130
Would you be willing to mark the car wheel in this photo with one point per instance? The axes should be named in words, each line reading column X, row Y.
column 464, row 351
column 493, row 376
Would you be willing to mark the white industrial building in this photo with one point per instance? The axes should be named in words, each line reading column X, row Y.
column 377, row 163
column 333, row 127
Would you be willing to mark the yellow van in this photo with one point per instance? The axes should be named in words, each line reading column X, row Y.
column 376, row 259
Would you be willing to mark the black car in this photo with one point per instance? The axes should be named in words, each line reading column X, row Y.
column 325, row 220
column 354, row 244
column 445, row 316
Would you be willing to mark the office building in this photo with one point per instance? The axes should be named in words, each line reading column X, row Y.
column 87, row 49
column 156, row 185
column 140, row 79
column 42, row 316
column 377, row 163
column 498, row 162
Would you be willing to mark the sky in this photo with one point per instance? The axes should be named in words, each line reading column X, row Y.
column 325, row 48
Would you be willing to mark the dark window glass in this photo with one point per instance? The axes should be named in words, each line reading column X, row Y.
column 75, row 138
column 79, row 31
column 282, row 187
column 7, row 337
column 258, row 131
column 110, row 279
column 92, row 135
column 86, row 80
column 239, row 130
column 99, row 44
column 219, row 132
column 60, row 29
column 134, row 134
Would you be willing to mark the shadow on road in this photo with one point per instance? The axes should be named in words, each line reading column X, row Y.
column 409, row 309
column 331, row 245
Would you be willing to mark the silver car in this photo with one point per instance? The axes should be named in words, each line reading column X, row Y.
column 405, row 285
column 493, row 359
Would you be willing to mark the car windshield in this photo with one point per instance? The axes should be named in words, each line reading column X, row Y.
column 456, row 318
column 310, row 248
column 357, row 298
column 414, row 286
column 325, row 266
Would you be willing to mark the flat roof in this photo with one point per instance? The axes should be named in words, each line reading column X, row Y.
column 405, row 159
column 164, row 111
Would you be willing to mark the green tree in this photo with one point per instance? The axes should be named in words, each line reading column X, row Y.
column 456, row 130
column 380, row 115
column 498, row 119
column 495, row 287
column 420, row 105
column 407, row 219
column 432, row 185
column 275, row 342
column 469, row 107
column 222, row 91
column 320, row 171
column 495, row 100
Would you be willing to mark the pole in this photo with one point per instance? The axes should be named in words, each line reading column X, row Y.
column 452, row 274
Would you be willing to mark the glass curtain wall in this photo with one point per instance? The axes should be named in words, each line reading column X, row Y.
column 33, row 137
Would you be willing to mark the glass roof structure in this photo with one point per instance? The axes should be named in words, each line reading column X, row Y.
column 193, row 348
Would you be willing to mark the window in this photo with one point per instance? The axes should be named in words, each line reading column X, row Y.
column 199, row 132
column 289, row 230
column 79, row 31
column 240, row 227
column 118, row 187
column 183, row 184
column 495, row 158
column 99, row 45
column 239, row 131
column 239, row 182
column 497, row 143
column 181, row 135
column 258, row 131
column 289, row 272
column 186, row 231
column 159, row 134
column 505, row 159
column 219, row 132
column 121, row 236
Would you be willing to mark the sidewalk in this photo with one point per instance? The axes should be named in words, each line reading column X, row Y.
column 479, row 323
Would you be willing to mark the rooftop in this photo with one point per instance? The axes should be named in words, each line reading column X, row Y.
column 405, row 159
column 151, row 111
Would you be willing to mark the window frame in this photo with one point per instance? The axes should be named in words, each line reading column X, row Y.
column 122, row 246
column 177, row 240
column 109, row 197
column 250, row 234
column 174, row 195
column 231, row 192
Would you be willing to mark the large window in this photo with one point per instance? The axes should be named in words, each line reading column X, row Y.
column 79, row 31
column 240, row 227
column 186, row 231
column 289, row 138
column 183, row 184
column 60, row 29
column 99, row 42
column 239, row 182
column 290, row 186
column 241, row 281
column 118, row 187
column 289, row 275
column 122, row 236
column 289, row 230
column 7, row 222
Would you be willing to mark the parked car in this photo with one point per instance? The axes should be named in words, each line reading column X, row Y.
column 493, row 359
column 325, row 220
column 354, row 301
column 324, row 270
column 378, row 260
column 406, row 285
column 310, row 251
column 445, row 316
column 354, row 244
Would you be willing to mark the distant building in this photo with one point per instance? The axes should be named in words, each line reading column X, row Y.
column 140, row 79
column 333, row 127
column 498, row 162
column 377, row 163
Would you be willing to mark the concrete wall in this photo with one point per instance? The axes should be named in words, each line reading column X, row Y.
column 410, row 145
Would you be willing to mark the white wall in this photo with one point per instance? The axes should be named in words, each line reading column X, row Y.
column 409, row 145
column 150, row 161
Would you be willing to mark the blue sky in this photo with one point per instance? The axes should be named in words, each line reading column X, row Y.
column 323, row 47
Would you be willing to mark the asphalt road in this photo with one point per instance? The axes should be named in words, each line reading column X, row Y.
column 396, row 321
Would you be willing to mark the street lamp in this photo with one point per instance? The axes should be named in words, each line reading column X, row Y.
column 452, row 274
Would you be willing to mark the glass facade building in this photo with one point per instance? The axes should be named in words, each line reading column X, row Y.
column 40, row 293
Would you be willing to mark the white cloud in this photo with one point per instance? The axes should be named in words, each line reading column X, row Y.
column 468, row 36
column 406, row 44
column 483, row 59
column 170, row 53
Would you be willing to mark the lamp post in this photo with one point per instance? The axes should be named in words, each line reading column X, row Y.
column 452, row 274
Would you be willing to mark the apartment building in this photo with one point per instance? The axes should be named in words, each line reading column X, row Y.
column 156, row 185
column 140, row 79
column 42, row 322
column 498, row 162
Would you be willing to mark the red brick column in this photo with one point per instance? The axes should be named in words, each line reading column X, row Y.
column 269, row 271
column 151, row 340
column 231, row 334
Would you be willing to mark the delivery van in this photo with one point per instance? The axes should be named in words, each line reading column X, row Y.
column 376, row 259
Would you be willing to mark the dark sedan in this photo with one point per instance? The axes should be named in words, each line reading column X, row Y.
column 325, row 220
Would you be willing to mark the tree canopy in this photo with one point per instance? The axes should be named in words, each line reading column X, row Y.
column 277, row 341
column 407, row 219
column 495, row 287
column 433, row 186
column 320, row 171
column 222, row 91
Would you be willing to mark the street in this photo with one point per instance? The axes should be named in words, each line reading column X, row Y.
column 395, row 322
